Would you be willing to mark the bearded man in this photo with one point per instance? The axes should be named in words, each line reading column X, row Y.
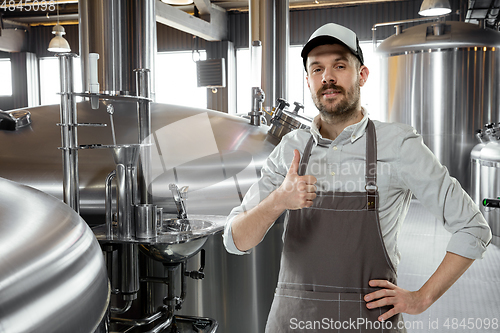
column 340, row 254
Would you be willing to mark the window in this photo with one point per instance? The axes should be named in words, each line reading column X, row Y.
column 297, row 85
column 50, row 84
column 6, row 81
column 243, row 82
column 370, row 92
column 175, row 79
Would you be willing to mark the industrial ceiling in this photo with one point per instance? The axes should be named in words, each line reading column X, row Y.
column 487, row 10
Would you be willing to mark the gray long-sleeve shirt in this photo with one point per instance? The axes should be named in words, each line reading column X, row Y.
column 405, row 166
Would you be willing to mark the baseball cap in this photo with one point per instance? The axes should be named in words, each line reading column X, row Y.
column 332, row 33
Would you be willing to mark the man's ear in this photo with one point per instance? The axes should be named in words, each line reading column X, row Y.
column 363, row 75
column 307, row 80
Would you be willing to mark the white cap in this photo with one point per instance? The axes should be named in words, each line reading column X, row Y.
column 332, row 33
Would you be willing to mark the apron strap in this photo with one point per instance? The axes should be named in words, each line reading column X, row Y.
column 371, row 166
column 305, row 157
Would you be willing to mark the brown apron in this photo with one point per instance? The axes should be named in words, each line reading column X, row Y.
column 331, row 250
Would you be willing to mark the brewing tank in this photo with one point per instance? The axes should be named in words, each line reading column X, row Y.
column 123, row 33
column 52, row 272
column 485, row 174
column 444, row 80
column 218, row 156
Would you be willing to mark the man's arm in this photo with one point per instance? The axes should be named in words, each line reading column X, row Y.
column 296, row 192
column 415, row 302
column 421, row 173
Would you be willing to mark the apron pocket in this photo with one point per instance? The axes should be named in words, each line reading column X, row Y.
column 311, row 311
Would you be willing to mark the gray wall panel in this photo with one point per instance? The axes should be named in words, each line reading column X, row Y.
column 359, row 18
column 170, row 39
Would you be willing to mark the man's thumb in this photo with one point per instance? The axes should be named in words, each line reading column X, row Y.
column 294, row 167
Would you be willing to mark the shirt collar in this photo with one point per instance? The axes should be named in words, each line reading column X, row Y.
column 354, row 131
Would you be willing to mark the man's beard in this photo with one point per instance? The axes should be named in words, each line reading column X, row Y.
column 344, row 109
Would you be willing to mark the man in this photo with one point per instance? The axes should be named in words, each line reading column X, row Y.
column 346, row 193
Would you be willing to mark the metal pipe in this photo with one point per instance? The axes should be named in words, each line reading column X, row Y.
column 103, row 30
column 125, row 308
column 111, row 266
column 143, row 86
column 182, row 297
column 258, row 97
column 170, row 300
column 7, row 5
column 397, row 25
column 129, row 271
column 138, row 322
column 263, row 27
column 109, row 205
column 148, row 320
column 144, row 39
column 71, row 192
column 282, row 46
column 123, row 202
column 143, row 82
column 160, row 327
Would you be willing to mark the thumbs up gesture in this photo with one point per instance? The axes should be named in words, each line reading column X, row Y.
column 296, row 191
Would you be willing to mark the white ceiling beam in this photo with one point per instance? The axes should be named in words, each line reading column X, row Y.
column 203, row 6
column 214, row 30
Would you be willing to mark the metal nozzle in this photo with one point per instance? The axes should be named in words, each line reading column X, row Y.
column 179, row 198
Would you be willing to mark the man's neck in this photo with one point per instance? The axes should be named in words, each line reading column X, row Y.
column 331, row 127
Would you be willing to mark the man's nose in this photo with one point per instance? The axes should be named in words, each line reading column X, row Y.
column 329, row 76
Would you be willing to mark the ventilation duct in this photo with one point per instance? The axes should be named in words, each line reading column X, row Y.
column 211, row 73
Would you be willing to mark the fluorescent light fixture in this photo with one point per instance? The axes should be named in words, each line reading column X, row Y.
column 435, row 8
column 177, row 2
column 58, row 43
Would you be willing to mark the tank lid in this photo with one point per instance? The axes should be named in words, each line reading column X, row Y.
column 452, row 35
column 491, row 152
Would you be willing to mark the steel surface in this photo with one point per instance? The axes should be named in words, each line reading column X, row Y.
column 445, row 86
column 52, row 272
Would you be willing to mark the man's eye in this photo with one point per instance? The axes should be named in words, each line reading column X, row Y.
column 315, row 70
column 340, row 67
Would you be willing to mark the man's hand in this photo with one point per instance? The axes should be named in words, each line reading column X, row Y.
column 415, row 302
column 296, row 191
column 404, row 301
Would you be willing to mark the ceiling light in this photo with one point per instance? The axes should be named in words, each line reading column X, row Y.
column 177, row 2
column 58, row 43
column 434, row 7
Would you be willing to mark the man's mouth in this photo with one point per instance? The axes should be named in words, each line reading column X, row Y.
column 331, row 93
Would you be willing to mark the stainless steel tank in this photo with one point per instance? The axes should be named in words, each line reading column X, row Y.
column 123, row 33
column 485, row 175
column 52, row 272
column 219, row 156
column 444, row 80
column 484, row 136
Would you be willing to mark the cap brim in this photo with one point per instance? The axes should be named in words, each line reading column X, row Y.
column 320, row 40
column 323, row 40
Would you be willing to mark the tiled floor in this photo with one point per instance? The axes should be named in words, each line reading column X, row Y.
column 472, row 304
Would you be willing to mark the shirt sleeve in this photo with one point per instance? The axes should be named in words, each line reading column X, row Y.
column 420, row 171
column 272, row 175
